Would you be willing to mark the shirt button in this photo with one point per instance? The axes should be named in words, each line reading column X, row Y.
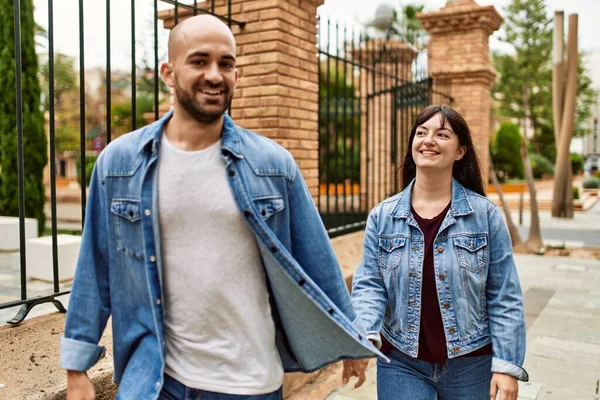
column 446, row 305
column 152, row 258
column 147, row 212
column 158, row 302
column 451, row 330
column 442, row 277
column 440, row 249
column 157, row 384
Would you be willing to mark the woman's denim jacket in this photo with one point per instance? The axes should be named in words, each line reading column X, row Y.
column 478, row 289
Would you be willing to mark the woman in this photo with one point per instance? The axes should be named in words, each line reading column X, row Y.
column 437, row 288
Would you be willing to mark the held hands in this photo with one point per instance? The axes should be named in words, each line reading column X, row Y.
column 505, row 386
column 355, row 368
column 80, row 386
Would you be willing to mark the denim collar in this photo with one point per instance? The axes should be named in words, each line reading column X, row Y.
column 230, row 137
column 460, row 203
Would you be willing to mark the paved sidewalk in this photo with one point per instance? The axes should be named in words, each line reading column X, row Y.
column 562, row 305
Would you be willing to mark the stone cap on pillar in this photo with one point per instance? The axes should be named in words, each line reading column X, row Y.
column 385, row 51
column 461, row 15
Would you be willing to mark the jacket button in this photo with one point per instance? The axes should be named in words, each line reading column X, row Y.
column 440, row 249
column 273, row 249
column 147, row 212
column 446, row 305
column 301, row 282
column 451, row 330
column 152, row 258
column 330, row 311
column 442, row 277
column 232, row 173
column 247, row 214
column 456, row 349
column 412, row 302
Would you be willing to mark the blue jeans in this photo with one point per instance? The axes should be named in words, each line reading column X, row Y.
column 175, row 390
column 463, row 378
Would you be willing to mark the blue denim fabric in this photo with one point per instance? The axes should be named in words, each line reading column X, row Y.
column 478, row 288
column 119, row 268
column 464, row 378
column 175, row 390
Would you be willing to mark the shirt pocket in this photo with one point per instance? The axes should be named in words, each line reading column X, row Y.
column 128, row 227
column 390, row 252
column 269, row 209
column 471, row 251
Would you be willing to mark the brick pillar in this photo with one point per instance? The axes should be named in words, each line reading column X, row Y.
column 392, row 60
column 458, row 52
column 277, row 94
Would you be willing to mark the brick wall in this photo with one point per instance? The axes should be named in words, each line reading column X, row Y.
column 458, row 52
column 277, row 94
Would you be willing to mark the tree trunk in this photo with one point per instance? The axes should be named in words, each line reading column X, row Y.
column 562, row 180
column 512, row 229
column 534, row 241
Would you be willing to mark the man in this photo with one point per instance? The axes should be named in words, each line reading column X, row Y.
column 202, row 242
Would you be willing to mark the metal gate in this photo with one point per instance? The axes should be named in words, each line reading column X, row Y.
column 370, row 92
column 147, row 75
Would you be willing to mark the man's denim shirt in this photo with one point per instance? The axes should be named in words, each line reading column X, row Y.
column 478, row 289
column 119, row 268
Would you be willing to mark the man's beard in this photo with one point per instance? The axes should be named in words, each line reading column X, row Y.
column 191, row 104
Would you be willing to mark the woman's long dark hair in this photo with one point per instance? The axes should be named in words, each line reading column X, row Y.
column 467, row 170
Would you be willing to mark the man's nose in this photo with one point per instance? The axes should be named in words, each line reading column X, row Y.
column 213, row 75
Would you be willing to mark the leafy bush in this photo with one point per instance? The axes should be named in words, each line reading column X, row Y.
column 575, row 192
column 541, row 166
column 576, row 163
column 90, row 161
column 591, row 183
column 506, row 152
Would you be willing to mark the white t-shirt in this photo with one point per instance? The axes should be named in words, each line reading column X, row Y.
column 220, row 335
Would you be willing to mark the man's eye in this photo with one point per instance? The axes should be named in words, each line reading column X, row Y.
column 227, row 65
column 198, row 62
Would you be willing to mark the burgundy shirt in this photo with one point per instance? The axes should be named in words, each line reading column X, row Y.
column 432, row 339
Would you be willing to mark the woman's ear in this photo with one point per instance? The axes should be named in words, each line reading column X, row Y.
column 460, row 153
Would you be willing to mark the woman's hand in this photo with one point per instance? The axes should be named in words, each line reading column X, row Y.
column 506, row 386
column 355, row 368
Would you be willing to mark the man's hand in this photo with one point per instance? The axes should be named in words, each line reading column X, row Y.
column 80, row 386
column 355, row 368
column 505, row 385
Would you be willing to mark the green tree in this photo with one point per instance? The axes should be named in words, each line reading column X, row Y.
column 339, row 119
column 405, row 24
column 65, row 79
column 528, row 73
column 506, row 152
column 34, row 137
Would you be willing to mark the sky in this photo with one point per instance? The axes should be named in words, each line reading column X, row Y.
column 350, row 12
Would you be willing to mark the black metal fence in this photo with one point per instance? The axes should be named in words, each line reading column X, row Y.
column 139, row 76
column 370, row 91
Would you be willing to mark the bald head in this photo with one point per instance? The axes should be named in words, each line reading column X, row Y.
column 203, row 28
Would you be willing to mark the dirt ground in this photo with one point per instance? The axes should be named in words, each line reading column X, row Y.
column 580, row 253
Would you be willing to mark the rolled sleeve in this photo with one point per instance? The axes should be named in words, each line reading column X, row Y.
column 508, row 368
column 76, row 355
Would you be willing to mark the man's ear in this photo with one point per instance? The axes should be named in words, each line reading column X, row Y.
column 462, row 150
column 168, row 74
